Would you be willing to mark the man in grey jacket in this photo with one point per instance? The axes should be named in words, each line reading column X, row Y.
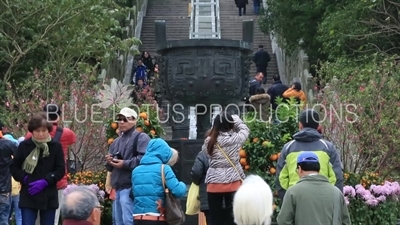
column 123, row 156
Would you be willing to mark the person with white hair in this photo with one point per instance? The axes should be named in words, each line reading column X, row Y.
column 81, row 207
column 253, row 202
column 148, row 186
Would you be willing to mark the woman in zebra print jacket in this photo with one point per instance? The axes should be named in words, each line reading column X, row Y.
column 229, row 133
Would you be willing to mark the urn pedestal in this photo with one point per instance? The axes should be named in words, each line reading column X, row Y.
column 202, row 73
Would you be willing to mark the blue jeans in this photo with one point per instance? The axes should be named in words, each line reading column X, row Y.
column 46, row 216
column 123, row 207
column 17, row 211
column 4, row 208
column 256, row 5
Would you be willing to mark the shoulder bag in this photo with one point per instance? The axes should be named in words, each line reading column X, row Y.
column 230, row 161
column 173, row 214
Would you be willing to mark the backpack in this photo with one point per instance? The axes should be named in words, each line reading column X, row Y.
column 59, row 132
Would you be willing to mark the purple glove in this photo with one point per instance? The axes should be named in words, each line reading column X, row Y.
column 37, row 186
column 25, row 179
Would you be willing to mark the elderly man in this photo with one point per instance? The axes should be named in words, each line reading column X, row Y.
column 123, row 156
column 313, row 200
column 81, row 207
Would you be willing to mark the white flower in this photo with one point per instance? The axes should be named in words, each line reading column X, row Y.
column 117, row 94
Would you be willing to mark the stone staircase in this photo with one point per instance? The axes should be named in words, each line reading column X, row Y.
column 175, row 14
column 231, row 28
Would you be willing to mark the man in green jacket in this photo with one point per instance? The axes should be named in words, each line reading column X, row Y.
column 308, row 139
column 313, row 200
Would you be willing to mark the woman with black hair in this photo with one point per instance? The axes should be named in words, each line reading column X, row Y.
column 148, row 62
column 224, row 175
column 38, row 165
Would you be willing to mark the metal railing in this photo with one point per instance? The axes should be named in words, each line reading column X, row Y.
column 205, row 19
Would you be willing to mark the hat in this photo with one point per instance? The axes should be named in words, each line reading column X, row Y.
column 309, row 118
column 128, row 112
column 307, row 157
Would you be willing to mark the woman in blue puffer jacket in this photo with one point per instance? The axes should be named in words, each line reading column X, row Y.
column 147, row 188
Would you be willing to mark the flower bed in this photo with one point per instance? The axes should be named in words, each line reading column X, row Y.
column 371, row 199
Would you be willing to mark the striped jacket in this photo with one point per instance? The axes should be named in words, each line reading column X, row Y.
column 220, row 170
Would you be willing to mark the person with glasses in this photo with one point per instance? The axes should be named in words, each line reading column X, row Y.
column 81, row 207
column 124, row 155
column 313, row 199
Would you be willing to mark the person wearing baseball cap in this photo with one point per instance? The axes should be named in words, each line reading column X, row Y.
column 308, row 138
column 123, row 156
column 316, row 201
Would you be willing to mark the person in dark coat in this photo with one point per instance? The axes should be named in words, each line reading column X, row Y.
column 276, row 90
column 261, row 59
column 198, row 174
column 148, row 62
column 7, row 150
column 241, row 4
column 38, row 165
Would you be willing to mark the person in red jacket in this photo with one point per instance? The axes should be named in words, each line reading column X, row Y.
column 66, row 137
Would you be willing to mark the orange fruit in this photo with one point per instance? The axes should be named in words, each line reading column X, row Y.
column 143, row 115
column 110, row 141
column 139, row 129
column 255, row 140
column 272, row 170
column 273, row 157
column 147, row 122
column 247, row 167
column 279, row 155
column 114, row 125
column 243, row 161
column 242, row 153
column 153, row 132
column 265, row 143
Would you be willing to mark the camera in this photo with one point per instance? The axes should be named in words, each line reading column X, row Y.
column 117, row 155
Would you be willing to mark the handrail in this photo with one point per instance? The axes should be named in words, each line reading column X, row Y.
column 218, row 19
column 198, row 32
column 191, row 19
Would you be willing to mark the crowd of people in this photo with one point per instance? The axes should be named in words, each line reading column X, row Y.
column 145, row 78
column 309, row 176
column 140, row 180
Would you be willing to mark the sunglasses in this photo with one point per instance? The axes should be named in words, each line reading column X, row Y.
column 100, row 207
column 124, row 119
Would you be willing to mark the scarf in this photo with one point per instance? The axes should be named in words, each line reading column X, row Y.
column 31, row 161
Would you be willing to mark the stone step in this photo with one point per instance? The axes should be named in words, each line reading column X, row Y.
column 175, row 14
